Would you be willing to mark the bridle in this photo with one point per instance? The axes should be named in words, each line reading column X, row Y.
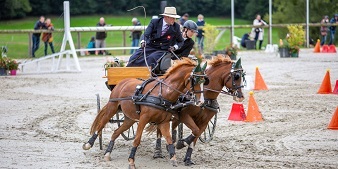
column 196, row 79
column 234, row 75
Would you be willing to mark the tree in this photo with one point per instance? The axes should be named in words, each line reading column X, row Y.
column 10, row 9
column 294, row 11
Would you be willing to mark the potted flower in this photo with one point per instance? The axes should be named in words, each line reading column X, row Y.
column 231, row 51
column 3, row 64
column 295, row 39
column 12, row 66
column 210, row 34
column 283, row 48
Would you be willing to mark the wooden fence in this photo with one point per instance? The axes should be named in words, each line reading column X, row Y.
column 124, row 29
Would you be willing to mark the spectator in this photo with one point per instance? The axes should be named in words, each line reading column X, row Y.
column 40, row 24
column 258, row 32
column 135, row 35
column 47, row 38
column 245, row 37
column 183, row 19
column 100, row 41
column 91, row 45
column 323, row 29
column 333, row 28
column 200, row 35
column 161, row 35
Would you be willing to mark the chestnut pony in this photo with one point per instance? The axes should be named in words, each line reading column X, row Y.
column 222, row 72
column 184, row 75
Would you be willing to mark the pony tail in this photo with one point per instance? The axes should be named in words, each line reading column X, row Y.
column 151, row 128
column 98, row 119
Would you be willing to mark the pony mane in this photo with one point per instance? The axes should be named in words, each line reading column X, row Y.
column 178, row 64
column 219, row 60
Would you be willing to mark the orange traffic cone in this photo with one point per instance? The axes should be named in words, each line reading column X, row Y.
column 237, row 112
column 332, row 49
column 259, row 81
column 334, row 121
column 253, row 114
column 335, row 90
column 325, row 88
column 317, row 47
column 325, row 49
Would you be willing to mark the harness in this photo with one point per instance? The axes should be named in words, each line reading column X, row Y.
column 153, row 101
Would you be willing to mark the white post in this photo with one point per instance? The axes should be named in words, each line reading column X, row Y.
column 307, row 24
column 270, row 22
column 68, row 37
column 232, row 19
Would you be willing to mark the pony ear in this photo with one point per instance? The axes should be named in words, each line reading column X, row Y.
column 204, row 66
column 198, row 67
column 238, row 64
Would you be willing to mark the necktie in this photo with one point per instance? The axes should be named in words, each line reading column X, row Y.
column 165, row 29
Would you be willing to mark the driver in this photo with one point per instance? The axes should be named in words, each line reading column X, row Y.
column 162, row 34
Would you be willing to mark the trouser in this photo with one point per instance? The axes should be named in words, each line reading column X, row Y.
column 51, row 47
column 332, row 33
column 152, row 55
column 323, row 40
column 134, row 43
column 260, row 41
column 200, row 42
column 36, row 44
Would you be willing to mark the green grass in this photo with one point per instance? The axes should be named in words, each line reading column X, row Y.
column 18, row 43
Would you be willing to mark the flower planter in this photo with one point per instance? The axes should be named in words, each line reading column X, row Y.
column 3, row 72
column 284, row 52
column 13, row 72
column 233, row 57
column 294, row 55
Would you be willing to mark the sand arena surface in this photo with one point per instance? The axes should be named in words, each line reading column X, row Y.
column 46, row 118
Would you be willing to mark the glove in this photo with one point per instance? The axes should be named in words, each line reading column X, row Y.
column 171, row 48
column 143, row 45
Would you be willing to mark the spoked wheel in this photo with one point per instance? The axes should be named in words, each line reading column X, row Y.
column 98, row 111
column 119, row 118
column 209, row 131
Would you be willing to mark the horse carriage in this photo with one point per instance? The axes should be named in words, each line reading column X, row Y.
column 115, row 74
column 184, row 88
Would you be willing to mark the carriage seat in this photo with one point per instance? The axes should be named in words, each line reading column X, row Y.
column 163, row 64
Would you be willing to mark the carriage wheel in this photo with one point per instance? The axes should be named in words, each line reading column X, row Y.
column 209, row 131
column 128, row 134
column 98, row 111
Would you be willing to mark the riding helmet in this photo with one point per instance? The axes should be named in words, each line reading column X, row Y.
column 191, row 25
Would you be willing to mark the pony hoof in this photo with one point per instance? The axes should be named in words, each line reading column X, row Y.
column 180, row 144
column 86, row 146
column 188, row 162
column 107, row 157
column 132, row 166
column 174, row 163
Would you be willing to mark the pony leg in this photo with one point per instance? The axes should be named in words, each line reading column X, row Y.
column 127, row 123
column 144, row 120
column 187, row 158
column 165, row 130
column 158, row 149
column 174, row 125
column 189, row 122
column 107, row 112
